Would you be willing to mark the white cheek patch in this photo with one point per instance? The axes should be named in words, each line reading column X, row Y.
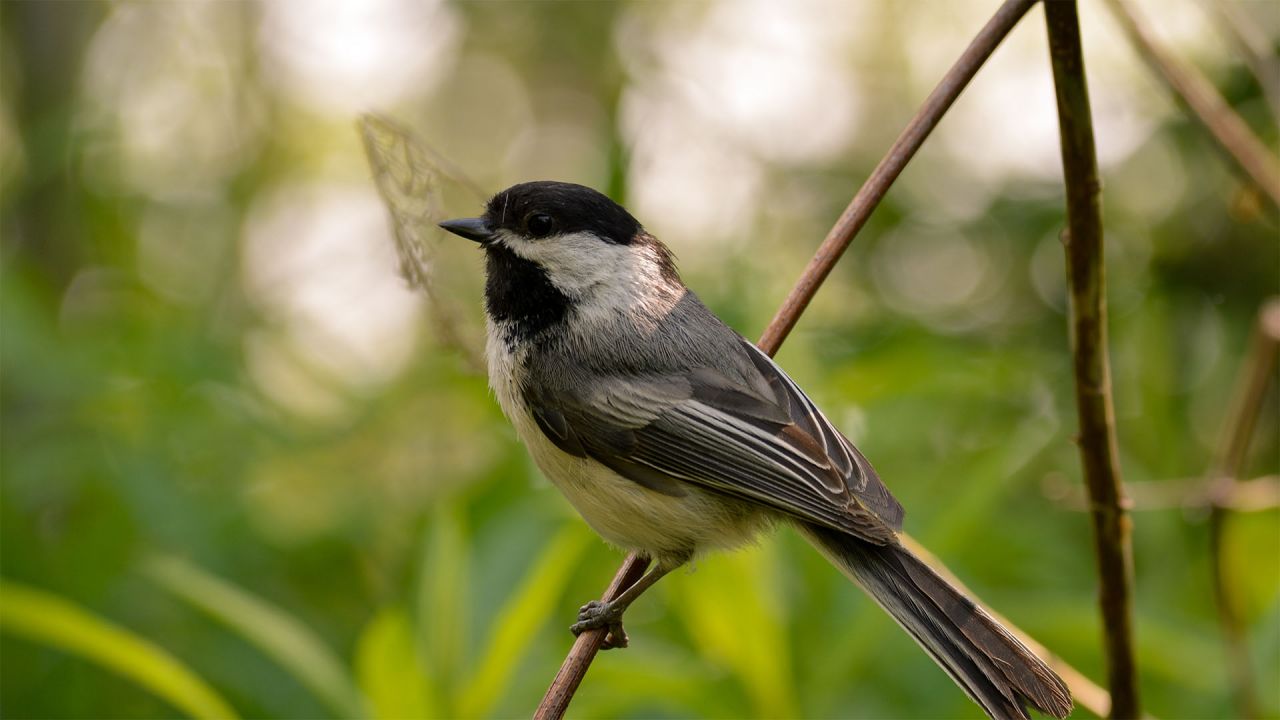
column 575, row 263
column 603, row 278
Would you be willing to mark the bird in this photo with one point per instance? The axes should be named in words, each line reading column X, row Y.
column 672, row 435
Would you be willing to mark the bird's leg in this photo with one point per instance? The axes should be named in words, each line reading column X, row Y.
column 598, row 613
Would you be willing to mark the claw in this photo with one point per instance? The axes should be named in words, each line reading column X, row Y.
column 617, row 638
column 597, row 614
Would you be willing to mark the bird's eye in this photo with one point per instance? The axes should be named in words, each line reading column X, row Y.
column 539, row 225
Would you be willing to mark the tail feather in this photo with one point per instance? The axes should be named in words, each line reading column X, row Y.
column 996, row 670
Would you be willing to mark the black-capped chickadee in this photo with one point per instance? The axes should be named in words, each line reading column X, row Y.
column 673, row 435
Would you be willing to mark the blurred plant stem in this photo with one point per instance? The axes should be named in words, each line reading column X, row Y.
column 1252, row 42
column 1205, row 105
column 1253, row 495
column 45, row 43
column 1228, row 465
column 1086, row 277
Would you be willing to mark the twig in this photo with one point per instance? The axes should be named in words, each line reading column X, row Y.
column 1208, row 108
column 575, row 665
column 1252, row 41
column 1228, row 465
column 1251, row 388
column 1088, row 311
column 586, row 646
column 875, row 187
column 1254, row 495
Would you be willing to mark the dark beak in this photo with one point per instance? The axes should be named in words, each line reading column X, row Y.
column 470, row 228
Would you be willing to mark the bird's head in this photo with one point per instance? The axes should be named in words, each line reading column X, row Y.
column 553, row 247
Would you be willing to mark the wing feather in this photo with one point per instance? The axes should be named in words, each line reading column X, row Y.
column 705, row 428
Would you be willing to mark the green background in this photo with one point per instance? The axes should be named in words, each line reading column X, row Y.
column 243, row 469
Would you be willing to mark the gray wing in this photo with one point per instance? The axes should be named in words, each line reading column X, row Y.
column 761, row 440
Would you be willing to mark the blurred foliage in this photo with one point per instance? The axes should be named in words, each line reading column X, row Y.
column 50, row 620
column 240, row 467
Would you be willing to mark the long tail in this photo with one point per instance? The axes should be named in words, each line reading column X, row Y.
column 984, row 659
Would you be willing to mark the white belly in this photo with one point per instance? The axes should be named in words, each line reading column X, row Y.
column 622, row 511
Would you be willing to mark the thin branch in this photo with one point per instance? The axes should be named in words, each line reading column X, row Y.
column 1254, row 45
column 1088, row 310
column 1228, row 464
column 575, row 665
column 1232, row 135
column 584, row 649
column 1220, row 493
column 1254, row 495
column 1251, row 388
column 875, row 187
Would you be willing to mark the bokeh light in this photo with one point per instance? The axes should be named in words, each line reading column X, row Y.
column 345, row 57
column 320, row 266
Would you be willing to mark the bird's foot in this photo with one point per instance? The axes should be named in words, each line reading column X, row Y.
column 600, row 614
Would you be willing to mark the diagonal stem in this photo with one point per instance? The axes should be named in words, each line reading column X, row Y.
column 1086, row 277
column 586, row 646
column 1228, row 466
column 1206, row 106
column 877, row 185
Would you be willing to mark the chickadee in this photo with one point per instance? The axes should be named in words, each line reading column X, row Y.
column 673, row 435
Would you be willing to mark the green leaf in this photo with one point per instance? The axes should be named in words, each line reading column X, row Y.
column 653, row 679
column 1249, row 561
column 442, row 608
column 521, row 618
column 281, row 636
column 992, row 473
column 389, row 669
column 734, row 614
column 46, row 618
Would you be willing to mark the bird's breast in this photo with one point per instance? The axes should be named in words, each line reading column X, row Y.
column 623, row 512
